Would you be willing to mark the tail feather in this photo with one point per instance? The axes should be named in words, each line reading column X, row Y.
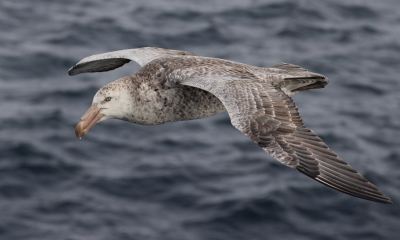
column 299, row 79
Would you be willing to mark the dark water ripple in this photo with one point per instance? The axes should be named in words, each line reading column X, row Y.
column 200, row 179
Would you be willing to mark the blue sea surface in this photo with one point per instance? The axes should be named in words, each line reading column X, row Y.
column 199, row 179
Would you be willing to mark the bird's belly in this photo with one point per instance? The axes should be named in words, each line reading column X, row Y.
column 186, row 103
column 157, row 106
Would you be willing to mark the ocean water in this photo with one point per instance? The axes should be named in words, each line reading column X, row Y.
column 198, row 179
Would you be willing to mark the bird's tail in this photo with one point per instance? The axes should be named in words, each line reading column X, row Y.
column 297, row 78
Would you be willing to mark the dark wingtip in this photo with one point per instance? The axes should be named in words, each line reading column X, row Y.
column 101, row 65
column 71, row 71
column 378, row 197
column 387, row 200
column 382, row 199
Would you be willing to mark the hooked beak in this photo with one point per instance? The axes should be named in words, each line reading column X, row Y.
column 88, row 120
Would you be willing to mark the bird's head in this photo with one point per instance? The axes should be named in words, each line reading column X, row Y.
column 111, row 101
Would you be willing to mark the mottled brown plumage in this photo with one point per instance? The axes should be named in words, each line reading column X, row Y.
column 176, row 85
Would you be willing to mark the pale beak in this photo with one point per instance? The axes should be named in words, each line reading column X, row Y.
column 88, row 120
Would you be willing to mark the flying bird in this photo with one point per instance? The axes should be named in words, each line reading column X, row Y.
column 174, row 85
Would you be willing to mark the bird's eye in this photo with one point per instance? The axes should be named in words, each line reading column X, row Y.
column 107, row 99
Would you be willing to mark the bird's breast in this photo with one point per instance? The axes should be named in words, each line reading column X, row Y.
column 158, row 105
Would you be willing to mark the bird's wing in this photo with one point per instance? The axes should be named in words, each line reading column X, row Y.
column 270, row 118
column 112, row 60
